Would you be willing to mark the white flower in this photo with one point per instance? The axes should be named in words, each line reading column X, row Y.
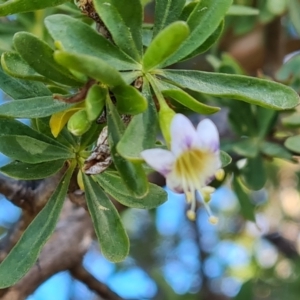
column 193, row 162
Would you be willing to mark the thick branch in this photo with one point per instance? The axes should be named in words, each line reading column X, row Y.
column 81, row 274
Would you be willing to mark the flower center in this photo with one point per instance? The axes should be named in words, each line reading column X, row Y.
column 195, row 167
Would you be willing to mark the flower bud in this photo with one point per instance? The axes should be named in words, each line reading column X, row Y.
column 78, row 124
column 95, row 101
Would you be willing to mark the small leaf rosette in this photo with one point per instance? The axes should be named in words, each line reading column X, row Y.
column 193, row 162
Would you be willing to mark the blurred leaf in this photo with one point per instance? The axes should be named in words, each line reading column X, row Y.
column 289, row 69
column 28, row 46
column 247, row 208
column 275, row 150
column 129, row 100
column 124, row 24
column 33, row 107
column 22, row 89
column 132, row 174
column 18, row 6
column 292, row 121
column 206, row 12
column 91, row 42
column 165, row 44
column 265, row 120
column 256, row 91
column 141, row 131
column 166, row 12
column 113, row 185
column 294, row 8
column 30, row 150
column 92, row 66
column 225, row 159
column 293, row 143
column 247, row 147
column 112, row 237
column 25, row 171
column 254, row 173
column 14, row 65
column 34, row 237
column 240, row 10
column 246, row 291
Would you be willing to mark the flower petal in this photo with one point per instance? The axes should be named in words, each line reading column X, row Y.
column 174, row 183
column 208, row 135
column 159, row 159
column 183, row 134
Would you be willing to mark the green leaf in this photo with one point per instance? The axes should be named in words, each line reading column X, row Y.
column 240, row 10
column 225, row 158
column 33, row 107
column 208, row 43
column 275, row 150
column 187, row 100
column 254, row 173
column 265, row 119
column 248, row 147
column 25, row 171
column 95, row 101
column 289, row 69
column 166, row 12
column 14, row 65
column 247, row 208
column 256, row 91
column 112, row 237
column 293, row 143
column 129, row 100
column 35, row 236
column 246, row 291
column 113, row 185
column 30, row 150
column 92, row 66
column 132, row 174
column 13, row 127
column 203, row 21
column 19, row 6
column 165, row 44
column 141, row 131
column 75, row 36
column 292, row 121
column 91, row 135
column 124, row 21
column 28, row 46
column 22, row 89
column 294, row 8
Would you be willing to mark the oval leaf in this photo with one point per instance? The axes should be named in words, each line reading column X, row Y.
column 89, row 65
column 68, row 31
column 112, row 237
column 33, row 107
column 28, row 46
column 129, row 100
column 35, row 236
column 30, row 150
column 256, row 91
column 19, row 6
column 293, row 143
column 132, row 174
column 225, row 159
column 113, row 185
column 14, row 65
column 141, row 131
column 124, row 21
column 165, row 44
column 24, row 171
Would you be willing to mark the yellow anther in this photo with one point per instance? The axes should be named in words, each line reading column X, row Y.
column 189, row 197
column 213, row 220
column 191, row 215
column 220, row 174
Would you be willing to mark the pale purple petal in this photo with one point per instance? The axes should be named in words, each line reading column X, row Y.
column 208, row 135
column 174, row 183
column 183, row 134
column 159, row 159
